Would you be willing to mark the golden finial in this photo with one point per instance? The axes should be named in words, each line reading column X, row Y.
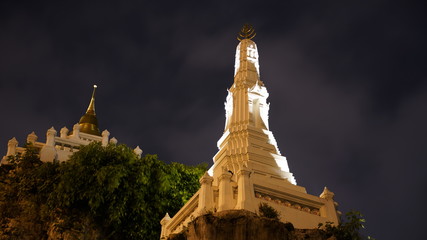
column 247, row 32
column 94, row 89
column 91, row 107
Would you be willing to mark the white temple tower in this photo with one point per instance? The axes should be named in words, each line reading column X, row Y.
column 249, row 168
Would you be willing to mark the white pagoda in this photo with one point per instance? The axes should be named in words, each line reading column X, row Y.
column 60, row 148
column 249, row 168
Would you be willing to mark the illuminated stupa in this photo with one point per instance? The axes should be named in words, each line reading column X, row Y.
column 249, row 169
column 60, row 148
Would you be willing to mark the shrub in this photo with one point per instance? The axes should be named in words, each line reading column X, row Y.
column 289, row 226
column 268, row 211
column 347, row 229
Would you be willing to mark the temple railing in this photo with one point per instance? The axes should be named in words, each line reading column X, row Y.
column 183, row 216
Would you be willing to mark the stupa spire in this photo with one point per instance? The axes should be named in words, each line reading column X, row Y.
column 91, row 107
column 88, row 122
column 247, row 139
column 246, row 103
column 246, row 67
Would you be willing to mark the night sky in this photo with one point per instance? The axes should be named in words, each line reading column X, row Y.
column 347, row 84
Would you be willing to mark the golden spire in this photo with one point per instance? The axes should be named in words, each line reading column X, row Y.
column 247, row 32
column 91, row 107
column 88, row 122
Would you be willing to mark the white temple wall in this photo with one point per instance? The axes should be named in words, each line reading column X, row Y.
column 305, row 211
column 64, row 155
column 298, row 217
column 59, row 148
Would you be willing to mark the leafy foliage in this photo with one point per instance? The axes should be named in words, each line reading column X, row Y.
column 103, row 192
column 348, row 229
column 180, row 183
column 24, row 189
column 268, row 211
column 289, row 226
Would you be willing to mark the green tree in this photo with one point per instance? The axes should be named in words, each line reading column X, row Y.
column 123, row 195
column 25, row 186
column 180, row 182
column 100, row 193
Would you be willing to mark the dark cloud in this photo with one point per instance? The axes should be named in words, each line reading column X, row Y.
column 347, row 86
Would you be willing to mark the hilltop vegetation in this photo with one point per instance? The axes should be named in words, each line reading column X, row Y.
column 100, row 193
